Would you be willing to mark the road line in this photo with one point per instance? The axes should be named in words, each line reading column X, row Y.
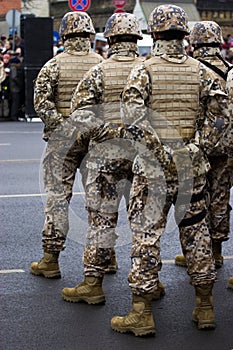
column 30, row 195
column 5, row 144
column 19, row 160
column 230, row 257
column 20, row 132
column 11, row 271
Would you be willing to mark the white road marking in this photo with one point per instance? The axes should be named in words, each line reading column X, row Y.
column 163, row 261
column 30, row 195
column 20, row 132
column 11, row 271
column 5, row 144
column 19, row 160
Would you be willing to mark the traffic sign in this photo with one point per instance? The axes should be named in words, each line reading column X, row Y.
column 13, row 18
column 119, row 11
column 119, row 3
column 79, row 5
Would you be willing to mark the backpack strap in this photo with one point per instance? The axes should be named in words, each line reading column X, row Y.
column 222, row 74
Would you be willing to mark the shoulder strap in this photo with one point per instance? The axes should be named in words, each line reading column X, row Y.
column 222, row 74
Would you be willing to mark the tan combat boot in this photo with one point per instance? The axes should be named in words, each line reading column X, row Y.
column 90, row 291
column 159, row 292
column 217, row 253
column 140, row 319
column 203, row 313
column 48, row 266
column 230, row 283
column 180, row 260
column 113, row 266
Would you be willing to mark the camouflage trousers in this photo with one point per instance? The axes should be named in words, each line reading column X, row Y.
column 148, row 209
column 104, row 191
column 62, row 158
column 219, row 186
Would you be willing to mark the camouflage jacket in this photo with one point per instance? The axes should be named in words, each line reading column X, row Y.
column 229, row 87
column 46, row 85
column 212, row 117
column 211, row 55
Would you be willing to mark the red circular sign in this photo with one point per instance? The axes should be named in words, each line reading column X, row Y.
column 119, row 3
column 119, row 11
column 79, row 5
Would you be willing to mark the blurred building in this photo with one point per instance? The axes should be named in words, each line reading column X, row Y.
column 220, row 11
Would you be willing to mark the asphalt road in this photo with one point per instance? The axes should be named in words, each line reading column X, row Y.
column 33, row 313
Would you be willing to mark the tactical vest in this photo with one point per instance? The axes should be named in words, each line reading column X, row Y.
column 174, row 99
column 115, row 73
column 71, row 71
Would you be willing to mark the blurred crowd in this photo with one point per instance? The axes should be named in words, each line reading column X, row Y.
column 12, row 90
column 12, row 84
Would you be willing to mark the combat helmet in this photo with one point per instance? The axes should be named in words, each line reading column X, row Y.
column 76, row 22
column 121, row 24
column 206, row 32
column 168, row 17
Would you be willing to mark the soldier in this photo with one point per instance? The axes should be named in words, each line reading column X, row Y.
column 52, row 96
column 181, row 91
column 206, row 39
column 109, row 163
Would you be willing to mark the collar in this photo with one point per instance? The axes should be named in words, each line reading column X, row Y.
column 77, row 46
column 206, row 52
column 171, row 51
column 124, row 49
column 169, row 48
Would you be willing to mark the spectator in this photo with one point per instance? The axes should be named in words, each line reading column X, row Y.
column 16, row 84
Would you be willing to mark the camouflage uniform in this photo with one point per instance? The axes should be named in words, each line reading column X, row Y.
column 203, row 36
column 183, row 107
column 182, row 97
column 189, row 87
column 109, row 162
column 52, row 95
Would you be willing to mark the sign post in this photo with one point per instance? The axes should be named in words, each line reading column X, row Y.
column 13, row 19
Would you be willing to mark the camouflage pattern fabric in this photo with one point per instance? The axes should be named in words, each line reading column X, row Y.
column 168, row 17
column 229, row 87
column 109, row 172
column 121, row 24
column 194, row 233
column 61, row 161
column 63, row 154
column 219, row 186
column 206, row 32
column 76, row 22
column 147, row 218
column 104, row 191
column 220, row 174
column 196, row 240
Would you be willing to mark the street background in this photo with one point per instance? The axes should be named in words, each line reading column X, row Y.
column 33, row 313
